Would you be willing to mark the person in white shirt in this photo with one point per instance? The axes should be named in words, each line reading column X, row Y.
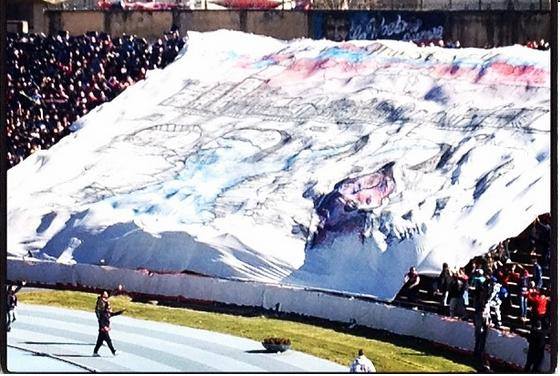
column 361, row 364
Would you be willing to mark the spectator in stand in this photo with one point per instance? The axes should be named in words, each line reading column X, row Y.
column 541, row 237
column 471, row 268
column 488, row 263
column 51, row 81
column 443, row 283
column 497, row 265
column 411, row 282
column 540, row 45
column 537, row 272
column 539, row 306
column 480, row 293
column 465, row 279
column 524, row 285
column 503, row 253
column 535, row 353
column 507, row 275
column 457, row 288
column 495, row 301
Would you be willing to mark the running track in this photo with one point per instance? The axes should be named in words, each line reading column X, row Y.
column 48, row 339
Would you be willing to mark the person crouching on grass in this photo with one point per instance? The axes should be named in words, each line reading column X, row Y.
column 104, row 314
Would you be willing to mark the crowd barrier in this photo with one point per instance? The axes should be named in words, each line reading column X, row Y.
column 504, row 347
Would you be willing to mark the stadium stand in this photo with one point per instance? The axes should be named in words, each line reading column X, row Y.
column 533, row 242
column 54, row 80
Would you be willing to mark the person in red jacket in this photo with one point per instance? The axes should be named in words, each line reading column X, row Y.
column 539, row 304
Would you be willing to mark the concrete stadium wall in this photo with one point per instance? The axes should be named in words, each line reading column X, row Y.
column 80, row 22
column 208, row 20
column 17, row 27
column 471, row 28
column 282, row 25
column 498, row 28
column 509, row 348
column 148, row 24
column 29, row 11
column 440, row 4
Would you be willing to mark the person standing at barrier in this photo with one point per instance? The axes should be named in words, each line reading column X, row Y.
column 525, row 285
column 539, row 306
column 537, row 272
column 535, row 353
column 479, row 283
column 495, row 300
column 443, row 283
column 362, row 364
column 104, row 314
column 456, row 290
column 481, row 323
column 11, row 304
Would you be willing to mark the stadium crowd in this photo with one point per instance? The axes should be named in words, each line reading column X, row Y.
column 492, row 284
column 540, row 45
column 54, row 80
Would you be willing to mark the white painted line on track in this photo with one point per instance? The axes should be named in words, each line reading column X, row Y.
column 148, row 346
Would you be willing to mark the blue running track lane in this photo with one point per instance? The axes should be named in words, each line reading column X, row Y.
column 49, row 339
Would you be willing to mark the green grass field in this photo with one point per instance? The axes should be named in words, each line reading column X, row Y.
column 389, row 353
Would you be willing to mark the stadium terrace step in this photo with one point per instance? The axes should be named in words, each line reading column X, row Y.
column 522, row 332
column 430, row 302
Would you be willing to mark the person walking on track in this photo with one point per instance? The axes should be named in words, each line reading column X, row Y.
column 104, row 314
column 11, row 304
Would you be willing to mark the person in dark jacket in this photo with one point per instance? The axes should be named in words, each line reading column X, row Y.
column 411, row 282
column 443, row 283
column 11, row 304
column 482, row 322
column 535, row 354
column 456, row 290
column 537, row 272
column 104, row 314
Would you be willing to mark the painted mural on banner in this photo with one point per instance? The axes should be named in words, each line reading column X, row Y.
column 309, row 163
column 406, row 26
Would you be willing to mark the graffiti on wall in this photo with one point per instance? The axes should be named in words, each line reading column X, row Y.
column 406, row 26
